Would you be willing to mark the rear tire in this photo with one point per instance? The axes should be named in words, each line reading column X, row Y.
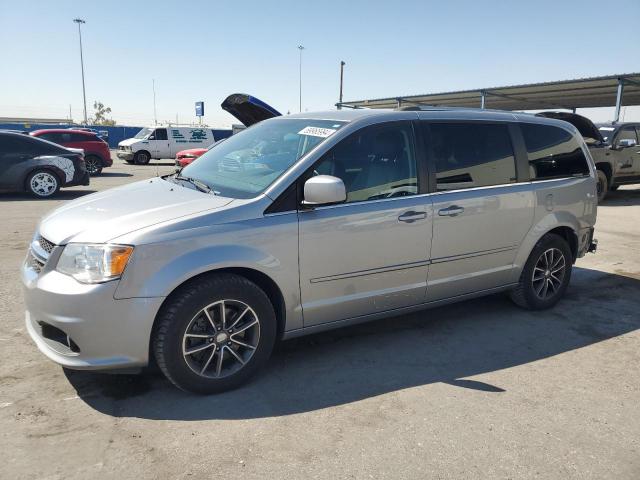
column 93, row 164
column 546, row 274
column 603, row 185
column 141, row 157
column 42, row 183
column 202, row 350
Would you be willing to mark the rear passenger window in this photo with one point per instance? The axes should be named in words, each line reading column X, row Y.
column 468, row 155
column 553, row 152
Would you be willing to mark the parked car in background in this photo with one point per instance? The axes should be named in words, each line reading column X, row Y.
column 103, row 134
column 186, row 157
column 96, row 151
column 38, row 166
column 162, row 142
column 615, row 148
column 305, row 223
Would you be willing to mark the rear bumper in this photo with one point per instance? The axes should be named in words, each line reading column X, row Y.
column 80, row 179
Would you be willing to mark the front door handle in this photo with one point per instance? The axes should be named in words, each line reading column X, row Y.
column 451, row 211
column 411, row 216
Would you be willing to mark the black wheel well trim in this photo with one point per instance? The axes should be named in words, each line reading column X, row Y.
column 60, row 175
column 262, row 280
column 570, row 235
column 606, row 168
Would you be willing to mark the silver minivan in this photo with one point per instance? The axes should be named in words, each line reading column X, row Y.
column 304, row 223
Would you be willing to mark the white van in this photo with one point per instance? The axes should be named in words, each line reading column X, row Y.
column 163, row 142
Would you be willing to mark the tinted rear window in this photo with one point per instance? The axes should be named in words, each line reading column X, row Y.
column 553, row 152
column 468, row 155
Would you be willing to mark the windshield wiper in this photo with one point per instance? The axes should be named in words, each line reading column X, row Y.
column 201, row 186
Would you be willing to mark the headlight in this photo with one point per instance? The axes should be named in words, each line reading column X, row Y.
column 89, row 263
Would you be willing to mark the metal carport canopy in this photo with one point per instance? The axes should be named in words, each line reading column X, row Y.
column 608, row 91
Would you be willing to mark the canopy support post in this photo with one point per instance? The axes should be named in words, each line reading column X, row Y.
column 616, row 116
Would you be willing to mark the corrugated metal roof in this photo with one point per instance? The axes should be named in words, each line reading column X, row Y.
column 577, row 93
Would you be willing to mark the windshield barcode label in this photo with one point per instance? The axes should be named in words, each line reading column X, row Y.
column 316, row 131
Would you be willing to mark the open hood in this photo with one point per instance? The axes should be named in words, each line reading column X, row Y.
column 247, row 109
column 585, row 126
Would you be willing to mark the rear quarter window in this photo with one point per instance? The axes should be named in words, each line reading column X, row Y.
column 553, row 152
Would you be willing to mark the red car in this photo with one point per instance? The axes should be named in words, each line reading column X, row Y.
column 185, row 157
column 96, row 151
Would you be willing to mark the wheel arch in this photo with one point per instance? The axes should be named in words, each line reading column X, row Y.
column 607, row 169
column 60, row 175
column 566, row 226
column 262, row 280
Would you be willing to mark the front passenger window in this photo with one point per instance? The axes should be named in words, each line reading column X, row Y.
column 374, row 163
column 160, row 134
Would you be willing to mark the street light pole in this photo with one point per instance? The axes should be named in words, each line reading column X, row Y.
column 155, row 115
column 342, row 64
column 80, row 21
column 300, row 47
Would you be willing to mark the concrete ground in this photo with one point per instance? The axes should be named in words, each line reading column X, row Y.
column 480, row 389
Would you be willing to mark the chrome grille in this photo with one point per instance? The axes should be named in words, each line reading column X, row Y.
column 35, row 264
column 46, row 245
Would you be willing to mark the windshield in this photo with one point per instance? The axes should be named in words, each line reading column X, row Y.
column 245, row 164
column 144, row 133
column 607, row 133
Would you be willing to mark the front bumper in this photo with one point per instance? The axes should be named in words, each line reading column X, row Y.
column 125, row 155
column 82, row 326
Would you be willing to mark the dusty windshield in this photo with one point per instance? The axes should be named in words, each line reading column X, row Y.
column 245, row 164
column 606, row 132
column 144, row 133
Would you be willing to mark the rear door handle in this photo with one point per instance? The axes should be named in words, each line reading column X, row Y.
column 451, row 211
column 411, row 216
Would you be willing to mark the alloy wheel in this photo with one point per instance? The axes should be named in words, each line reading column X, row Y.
column 93, row 165
column 548, row 273
column 221, row 338
column 43, row 184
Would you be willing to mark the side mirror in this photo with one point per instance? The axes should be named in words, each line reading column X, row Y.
column 151, row 137
column 626, row 143
column 324, row 190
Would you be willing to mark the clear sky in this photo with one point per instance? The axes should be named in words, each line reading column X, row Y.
column 205, row 50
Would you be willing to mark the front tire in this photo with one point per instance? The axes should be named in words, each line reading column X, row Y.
column 43, row 183
column 546, row 274
column 214, row 333
column 603, row 185
column 141, row 158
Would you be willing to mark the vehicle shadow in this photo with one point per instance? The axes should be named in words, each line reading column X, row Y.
column 114, row 174
column 445, row 344
column 623, row 197
column 61, row 195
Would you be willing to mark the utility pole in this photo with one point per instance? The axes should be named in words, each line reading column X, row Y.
column 80, row 21
column 342, row 64
column 155, row 115
column 301, row 48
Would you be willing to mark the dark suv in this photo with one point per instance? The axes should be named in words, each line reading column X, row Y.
column 38, row 166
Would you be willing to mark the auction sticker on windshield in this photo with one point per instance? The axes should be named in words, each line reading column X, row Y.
column 316, row 132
